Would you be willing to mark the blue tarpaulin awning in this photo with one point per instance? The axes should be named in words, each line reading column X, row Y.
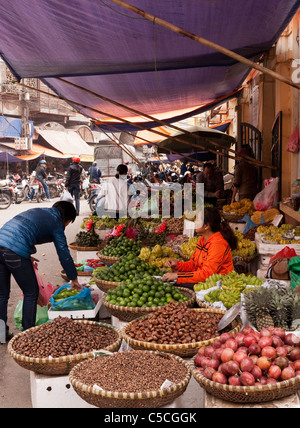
column 109, row 50
column 11, row 127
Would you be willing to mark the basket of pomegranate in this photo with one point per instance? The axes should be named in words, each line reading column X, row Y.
column 250, row 367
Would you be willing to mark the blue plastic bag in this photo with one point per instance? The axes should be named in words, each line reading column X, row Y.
column 81, row 301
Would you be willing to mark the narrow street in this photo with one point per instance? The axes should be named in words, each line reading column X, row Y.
column 14, row 380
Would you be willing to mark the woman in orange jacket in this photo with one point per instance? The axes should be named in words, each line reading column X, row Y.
column 212, row 255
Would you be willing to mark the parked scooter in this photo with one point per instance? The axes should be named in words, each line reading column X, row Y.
column 55, row 185
column 93, row 192
column 20, row 188
column 6, row 195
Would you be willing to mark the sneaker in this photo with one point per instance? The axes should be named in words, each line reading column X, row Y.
column 30, row 200
column 49, row 200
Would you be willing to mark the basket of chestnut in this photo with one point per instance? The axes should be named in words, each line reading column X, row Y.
column 250, row 366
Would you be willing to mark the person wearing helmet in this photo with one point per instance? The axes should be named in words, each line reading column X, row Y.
column 73, row 180
column 41, row 175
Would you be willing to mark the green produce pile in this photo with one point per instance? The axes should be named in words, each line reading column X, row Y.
column 104, row 222
column 120, row 246
column 208, row 283
column 232, row 285
column 64, row 294
column 87, row 239
column 144, row 291
column 127, row 268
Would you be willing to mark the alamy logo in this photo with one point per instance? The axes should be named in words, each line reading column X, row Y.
column 149, row 202
column 296, row 72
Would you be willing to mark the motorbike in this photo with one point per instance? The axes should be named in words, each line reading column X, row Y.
column 39, row 192
column 55, row 185
column 6, row 198
column 93, row 192
column 6, row 195
column 20, row 188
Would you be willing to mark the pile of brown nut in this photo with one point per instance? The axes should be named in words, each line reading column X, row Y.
column 175, row 323
column 130, row 371
column 62, row 337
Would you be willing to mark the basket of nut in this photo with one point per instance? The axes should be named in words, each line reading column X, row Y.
column 177, row 329
column 55, row 347
column 129, row 313
column 131, row 379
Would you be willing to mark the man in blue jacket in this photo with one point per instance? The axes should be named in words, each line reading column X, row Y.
column 94, row 173
column 18, row 238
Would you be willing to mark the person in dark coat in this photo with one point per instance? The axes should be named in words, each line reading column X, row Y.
column 94, row 173
column 73, row 180
column 213, row 183
column 245, row 181
column 33, row 227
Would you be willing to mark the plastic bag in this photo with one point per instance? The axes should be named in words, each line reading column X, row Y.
column 81, row 301
column 46, row 289
column 287, row 252
column 66, row 196
column 294, row 267
column 41, row 315
column 268, row 197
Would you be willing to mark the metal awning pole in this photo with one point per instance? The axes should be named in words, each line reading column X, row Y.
column 208, row 43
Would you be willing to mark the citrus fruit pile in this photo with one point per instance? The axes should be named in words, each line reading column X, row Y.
column 120, row 246
column 127, row 268
column 144, row 291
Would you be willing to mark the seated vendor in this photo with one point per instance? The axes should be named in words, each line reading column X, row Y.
column 212, row 255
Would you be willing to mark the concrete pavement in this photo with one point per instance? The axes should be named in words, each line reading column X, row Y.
column 14, row 380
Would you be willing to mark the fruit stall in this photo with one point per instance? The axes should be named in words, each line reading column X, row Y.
column 231, row 341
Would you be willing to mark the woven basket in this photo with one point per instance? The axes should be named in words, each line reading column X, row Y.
column 184, row 350
column 125, row 313
column 246, row 394
column 232, row 217
column 108, row 261
column 105, row 285
column 61, row 365
column 79, row 273
column 73, row 246
column 203, row 305
column 148, row 399
column 244, row 259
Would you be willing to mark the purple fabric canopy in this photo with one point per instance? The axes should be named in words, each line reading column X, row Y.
column 7, row 157
column 120, row 55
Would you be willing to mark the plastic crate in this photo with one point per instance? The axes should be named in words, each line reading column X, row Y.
column 80, row 314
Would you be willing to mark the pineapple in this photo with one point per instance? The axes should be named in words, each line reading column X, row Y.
column 282, row 309
column 295, row 312
column 259, row 305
